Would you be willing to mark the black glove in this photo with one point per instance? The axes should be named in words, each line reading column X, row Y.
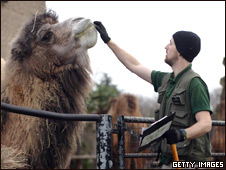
column 103, row 33
column 174, row 136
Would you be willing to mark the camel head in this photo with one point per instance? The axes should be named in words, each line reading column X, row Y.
column 45, row 47
column 124, row 104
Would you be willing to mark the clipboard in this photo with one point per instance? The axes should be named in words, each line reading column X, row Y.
column 155, row 132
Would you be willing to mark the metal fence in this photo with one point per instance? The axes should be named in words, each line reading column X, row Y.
column 122, row 127
column 103, row 129
column 104, row 132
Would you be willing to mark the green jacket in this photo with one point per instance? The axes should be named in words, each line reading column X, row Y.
column 178, row 100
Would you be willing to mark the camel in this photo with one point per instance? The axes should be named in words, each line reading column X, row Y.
column 48, row 69
column 127, row 105
column 218, row 136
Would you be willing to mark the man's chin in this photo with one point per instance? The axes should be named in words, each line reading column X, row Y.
column 168, row 62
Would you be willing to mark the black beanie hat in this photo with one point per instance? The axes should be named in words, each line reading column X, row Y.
column 188, row 44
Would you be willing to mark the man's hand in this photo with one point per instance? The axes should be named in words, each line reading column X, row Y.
column 174, row 136
column 103, row 33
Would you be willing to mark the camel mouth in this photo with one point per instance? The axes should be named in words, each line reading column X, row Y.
column 85, row 33
column 89, row 27
column 82, row 27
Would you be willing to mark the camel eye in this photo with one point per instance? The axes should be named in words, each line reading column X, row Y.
column 47, row 37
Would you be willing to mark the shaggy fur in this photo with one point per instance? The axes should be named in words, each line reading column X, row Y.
column 12, row 158
column 48, row 70
column 127, row 105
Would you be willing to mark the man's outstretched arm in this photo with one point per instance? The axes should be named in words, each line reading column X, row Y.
column 125, row 58
column 130, row 62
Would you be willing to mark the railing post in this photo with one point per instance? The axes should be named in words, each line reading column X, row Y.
column 121, row 142
column 104, row 142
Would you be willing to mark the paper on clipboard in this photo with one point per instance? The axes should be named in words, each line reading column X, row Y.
column 155, row 132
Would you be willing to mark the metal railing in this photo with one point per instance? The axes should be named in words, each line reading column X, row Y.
column 104, row 132
column 103, row 129
column 122, row 127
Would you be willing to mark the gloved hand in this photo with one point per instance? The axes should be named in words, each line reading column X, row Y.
column 174, row 136
column 103, row 33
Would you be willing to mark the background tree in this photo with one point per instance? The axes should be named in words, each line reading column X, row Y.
column 215, row 96
column 99, row 99
column 98, row 102
column 219, row 110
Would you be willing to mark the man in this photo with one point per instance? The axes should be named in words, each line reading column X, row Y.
column 182, row 91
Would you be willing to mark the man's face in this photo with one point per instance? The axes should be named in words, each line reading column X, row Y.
column 171, row 53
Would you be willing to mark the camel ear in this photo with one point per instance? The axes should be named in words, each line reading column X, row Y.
column 16, row 51
column 112, row 101
column 17, row 54
column 20, row 51
column 131, row 100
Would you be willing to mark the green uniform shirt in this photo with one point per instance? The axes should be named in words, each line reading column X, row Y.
column 199, row 93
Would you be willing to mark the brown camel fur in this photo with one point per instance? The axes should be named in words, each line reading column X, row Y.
column 49, row 70
column 218, row 138
column 127, row 105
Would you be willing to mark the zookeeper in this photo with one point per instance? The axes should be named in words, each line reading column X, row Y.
column 183, row 91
